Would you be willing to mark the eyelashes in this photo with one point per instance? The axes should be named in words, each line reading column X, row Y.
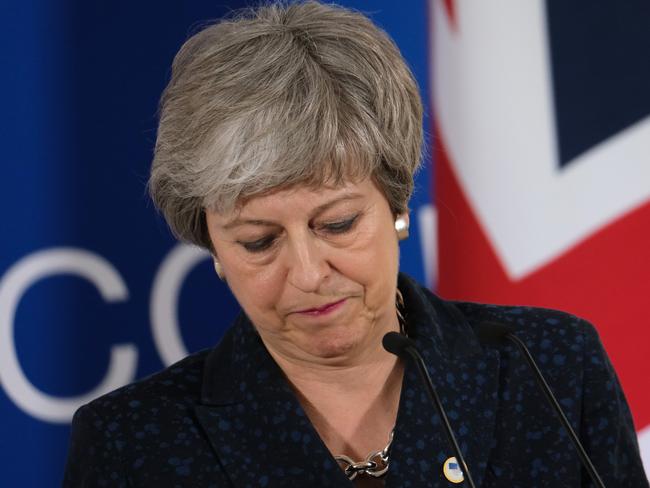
column 340, row 227
column 335, row 228
column 259, row 245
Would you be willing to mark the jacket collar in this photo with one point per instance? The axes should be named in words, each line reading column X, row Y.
column 239, row 366
column 258, row 428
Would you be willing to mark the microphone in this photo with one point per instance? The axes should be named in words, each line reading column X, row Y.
column 495, row 333
column 403, row 347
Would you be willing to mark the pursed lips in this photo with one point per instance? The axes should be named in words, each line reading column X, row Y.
column 324, row 309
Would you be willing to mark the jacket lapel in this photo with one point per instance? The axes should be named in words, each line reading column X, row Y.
column 254, row 422
column 466, row 379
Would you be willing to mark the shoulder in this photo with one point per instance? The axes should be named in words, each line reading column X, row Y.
column 545, row 330
column 526, row 321
column 178, row 384
column 562, row 343
column 164, row 396
column 516, row 315
column 567, row 348
column 135, row 418
column 457, row 322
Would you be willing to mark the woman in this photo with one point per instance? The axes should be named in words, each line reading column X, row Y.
column 287, row 144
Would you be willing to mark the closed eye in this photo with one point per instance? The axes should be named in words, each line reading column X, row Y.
column 267, row 242
column 258, row 245
column 341, row 226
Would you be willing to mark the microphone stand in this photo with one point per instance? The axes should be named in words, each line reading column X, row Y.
column 424, row 373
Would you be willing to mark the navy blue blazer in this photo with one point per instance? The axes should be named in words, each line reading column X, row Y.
column 227, row 417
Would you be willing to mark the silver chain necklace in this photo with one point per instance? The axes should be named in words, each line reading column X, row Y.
column 375, row 464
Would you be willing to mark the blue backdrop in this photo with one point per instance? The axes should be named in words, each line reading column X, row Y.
column 94, row 291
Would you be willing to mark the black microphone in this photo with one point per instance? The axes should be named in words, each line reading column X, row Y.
column 403, row 347
column 495, row 333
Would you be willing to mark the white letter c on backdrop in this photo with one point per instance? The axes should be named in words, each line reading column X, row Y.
column 13, row 285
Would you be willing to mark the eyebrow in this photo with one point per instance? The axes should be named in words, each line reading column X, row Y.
column 236, row 222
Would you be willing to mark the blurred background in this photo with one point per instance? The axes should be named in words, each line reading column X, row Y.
column 535, row 190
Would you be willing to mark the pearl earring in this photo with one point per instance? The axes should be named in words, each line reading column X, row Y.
column 402, row 228
column 218, row 268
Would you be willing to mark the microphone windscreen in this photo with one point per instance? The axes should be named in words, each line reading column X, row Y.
column 397, row 343
column 493, row 332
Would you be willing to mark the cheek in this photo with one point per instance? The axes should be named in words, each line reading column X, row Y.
column 377, row 254
column 257, row 290
column 374, row 265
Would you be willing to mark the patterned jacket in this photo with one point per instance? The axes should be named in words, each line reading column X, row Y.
column 226, row 417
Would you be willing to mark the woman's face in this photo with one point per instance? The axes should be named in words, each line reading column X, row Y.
column 314, row 270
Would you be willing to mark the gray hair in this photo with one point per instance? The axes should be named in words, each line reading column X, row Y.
column 283, row 94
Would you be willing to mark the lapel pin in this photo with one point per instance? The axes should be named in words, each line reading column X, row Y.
column 452, row 471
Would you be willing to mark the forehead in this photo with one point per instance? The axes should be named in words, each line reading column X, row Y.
column 306, row 199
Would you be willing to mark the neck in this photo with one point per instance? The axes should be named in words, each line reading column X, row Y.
column 352, row 406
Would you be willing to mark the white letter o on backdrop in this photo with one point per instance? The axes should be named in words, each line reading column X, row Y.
column 16, row 281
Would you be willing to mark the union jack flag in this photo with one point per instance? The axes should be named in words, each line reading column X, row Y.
column 542, row 154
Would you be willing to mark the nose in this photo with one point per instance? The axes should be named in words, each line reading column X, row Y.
column 307, row 264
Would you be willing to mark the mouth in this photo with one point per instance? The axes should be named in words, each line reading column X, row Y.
column 324, row 310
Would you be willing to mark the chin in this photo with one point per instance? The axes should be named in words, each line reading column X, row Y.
column 334, row 345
